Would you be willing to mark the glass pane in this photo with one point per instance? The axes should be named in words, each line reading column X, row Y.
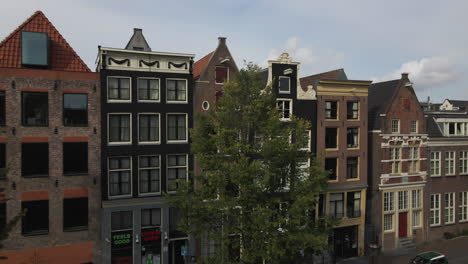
column 125, row 163
column 172, row 160
column 181, row 159
column 34, row 48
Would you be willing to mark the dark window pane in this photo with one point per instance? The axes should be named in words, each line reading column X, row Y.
column 151, row 217
column 352, row 137
column 3, row 215
column 176, row 90
column 34, row 48
column 121, row 220
column 175, row 218
column 352, row 110
column 148, row 89
column 35, row 159
column 221, row 74
column 75, row 157
column 119, row 128
column 75, row 214
column 2, row 161
column 353, row 207
column 331, row 137
column 331, row 110
column 284, row 84
column 176, row 127
column 75, row 109
column 330, row 166
column 36, row 219
column 351, row 168
column 119, row 176
column 2, row 108
column 35, row 109
column 118, row 88
column 148, row 128
column 336, row 205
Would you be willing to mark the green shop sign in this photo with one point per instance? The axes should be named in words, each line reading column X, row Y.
column 121, row 239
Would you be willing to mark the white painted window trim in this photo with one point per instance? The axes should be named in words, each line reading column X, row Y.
column 449, row 208
column 147, row 100
column 149, row 168
column 186, row 91
column 398, row 126
column 279, row 83
column 449, row 163
column 108, row 130
column 463, row 162
column 435, row 163
column 108, row 177
column 436, row 209
column 119, row 100
column 463, row 206
column 159, row 132
column 282, row 108
column 309, row 140
column 416, row 126
column 186, row 129
column 392, row 222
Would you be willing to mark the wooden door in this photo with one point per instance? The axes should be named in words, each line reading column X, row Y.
column 403, row 224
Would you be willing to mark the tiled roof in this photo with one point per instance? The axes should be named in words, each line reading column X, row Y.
column 62, row 56
column 380, row 95
column 338, row 74
column 200, row 65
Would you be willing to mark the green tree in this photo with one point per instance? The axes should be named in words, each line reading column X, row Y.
column 254, row 200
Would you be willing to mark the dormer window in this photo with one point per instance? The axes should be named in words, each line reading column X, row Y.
column 34, row 49
column 284, row 85
column 221, row 74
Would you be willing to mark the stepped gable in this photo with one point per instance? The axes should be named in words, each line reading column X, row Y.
column 62, row 55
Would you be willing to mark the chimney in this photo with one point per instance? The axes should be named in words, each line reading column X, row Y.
column 404, row 75
column 221, row 41
column 135, row 30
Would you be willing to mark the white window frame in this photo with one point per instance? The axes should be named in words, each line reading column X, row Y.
column 415, row 123
column 449, row 208
column 395, row 157
column 463, row 162
column 402, row 200
column 416, row 218
column 148, row 100
column 309, row 139
column 463, row 206
column 389, row 201
column 385, row 224
column 413, row 162
column 108, row 177
column 434, row 209
column 449, row 163
column 227, row 77
column 435, row 163
column 279, row 83
column 108, row 130
column 186, row 91
column 159, row 132
column 119, row 100
column 416, row 199
column 167, row 129
column 358, row 110
column 397, row 123
column 282, row 118
column 167, row 169
column 149, row 168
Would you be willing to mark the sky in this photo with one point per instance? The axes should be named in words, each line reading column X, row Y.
column 371, row 39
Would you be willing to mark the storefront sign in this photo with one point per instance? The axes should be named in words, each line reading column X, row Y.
column 150, row 235
column 121, row 239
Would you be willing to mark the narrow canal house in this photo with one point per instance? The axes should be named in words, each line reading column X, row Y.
column 146, row 113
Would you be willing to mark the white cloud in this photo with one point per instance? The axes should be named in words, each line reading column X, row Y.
column 427, row 72
column 313, row 59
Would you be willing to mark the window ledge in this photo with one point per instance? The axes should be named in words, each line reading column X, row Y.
column 24, row 125
column 438, row 225
column 75, row 229
column 449, row 224
column 176, row 102
column 36, row 233
column 36, row 176
column 76, row 125
column 76, row 174
column 177, row 142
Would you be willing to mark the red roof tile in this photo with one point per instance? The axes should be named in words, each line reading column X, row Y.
column 62, row 56
column 200, row 65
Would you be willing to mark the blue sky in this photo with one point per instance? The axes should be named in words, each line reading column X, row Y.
column 370, row 39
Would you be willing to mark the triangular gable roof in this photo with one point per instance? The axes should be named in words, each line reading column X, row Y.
column 62, row 57
column 338, row 74
column 138, row 41
column 200, row 65
column 380, row 97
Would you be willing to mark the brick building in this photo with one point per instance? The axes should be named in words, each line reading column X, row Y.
column 50, row 145
column 146, row 113
column 342, row 149
column 447, row 195
column 397, row 166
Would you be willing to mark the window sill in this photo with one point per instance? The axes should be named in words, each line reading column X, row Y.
column 176, row 102
column 177, row 142
column 449, row 224
column 149, row 143
column 119, row 101
column 352, row 119
column 438, row 225
column 149, row 101
column 36, row 176
column 76, row 229
column 119, row 143
column 149, row 194
column 76, row 174
column 36, row 233
column 389, row 231
column 25, row 125
column 352, row 179
column 436, row 176
column 86, row 125
column 450, row 175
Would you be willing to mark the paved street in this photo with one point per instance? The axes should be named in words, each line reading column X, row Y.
column 456, row 251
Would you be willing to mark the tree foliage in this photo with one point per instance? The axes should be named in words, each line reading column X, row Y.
column 254, row 199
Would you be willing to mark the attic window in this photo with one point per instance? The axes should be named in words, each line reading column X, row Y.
column 34, row 49
column 221, row 74
column 138, row 48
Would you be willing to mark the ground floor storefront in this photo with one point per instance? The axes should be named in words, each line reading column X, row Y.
column 144, row 233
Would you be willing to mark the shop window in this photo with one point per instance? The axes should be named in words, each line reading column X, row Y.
column 284, row 84
column 352, row 168
column 148, row 128
column 148, row 89
column 352, row 110
column 176, row 170
column 121, row 237
column 221, row 74
column 176, row 90
column 177, row 127
column 119, row 128
column 36, row 219
column 331, row 109
column 331, row 168
column 75, row 214
column 75, row 109
column 353, row 208
column 352, row 135
column 34, row 48
column 120, row 174
column 2, row 108
column 331, row 137
column 35, row 159
column 75, row 157
column 118, row 89
column 151, row 235
column 149, row 172
column 35, row 109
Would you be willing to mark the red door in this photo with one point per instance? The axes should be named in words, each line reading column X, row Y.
column 403, row 224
